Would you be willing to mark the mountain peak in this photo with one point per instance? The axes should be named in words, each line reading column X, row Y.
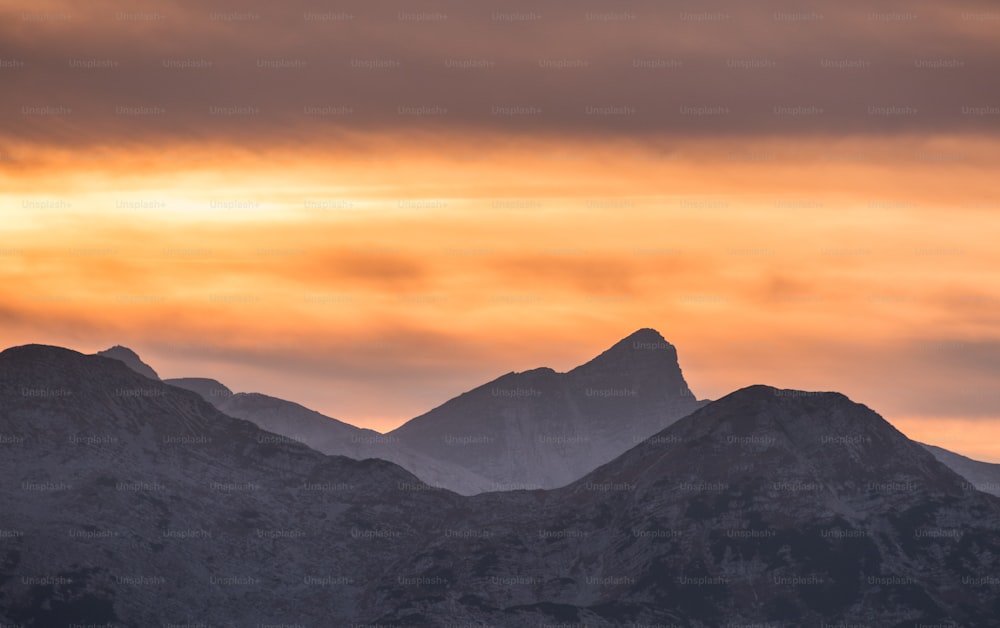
column 36, row 352
column 760, row 407
column 642, row 356
column 131, row 360
column 762, row 394
column 119, row 350
column 645, row 335
column 645, row 345
column 759, row 433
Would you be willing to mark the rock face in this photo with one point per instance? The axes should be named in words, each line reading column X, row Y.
column 983, row 476
column 131, row 502
column 543, row 429
column 131, row 359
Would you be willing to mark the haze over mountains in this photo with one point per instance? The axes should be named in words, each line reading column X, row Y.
column 132, row 502
column 543, row 429
column 330, row 436
column 535, row 429
column 984, row 476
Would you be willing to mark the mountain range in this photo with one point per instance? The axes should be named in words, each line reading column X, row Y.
column 983, row 476
column 535, row 429
column 128, row 501
column 331, row 436
column 543, row 429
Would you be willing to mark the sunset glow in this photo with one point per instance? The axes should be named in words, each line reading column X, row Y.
column 373, row 265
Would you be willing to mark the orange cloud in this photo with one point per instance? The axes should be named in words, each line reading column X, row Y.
column 369, row 213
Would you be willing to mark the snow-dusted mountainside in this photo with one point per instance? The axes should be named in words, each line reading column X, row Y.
column 131, row 359
column 983, row 476
column 130, row 502
column 543, row 429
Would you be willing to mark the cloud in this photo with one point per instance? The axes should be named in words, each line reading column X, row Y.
column 573, row 269
column 255, row 74
column 374, row 198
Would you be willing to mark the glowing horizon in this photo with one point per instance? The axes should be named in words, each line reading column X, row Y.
column 265, row 199
column 793, row 288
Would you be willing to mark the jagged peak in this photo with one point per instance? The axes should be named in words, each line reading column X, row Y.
column 645, row 353
column 642, row 343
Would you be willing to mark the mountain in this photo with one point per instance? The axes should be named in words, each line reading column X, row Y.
column 446, row 447
column 134, row 503
column 766, row 507
column 130, row 502
column 543, row 429
column 983, row 476
column 210, row 390
column 131, row 359
column 538, row 429
column 289, row 419
column 331, row 436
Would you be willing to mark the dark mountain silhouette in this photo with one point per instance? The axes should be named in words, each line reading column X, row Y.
column 768, row 505
column 320, row 432
column 538, row 429
column 331, row 436
column 522, row 420
column 132, row 502
column 543, row 429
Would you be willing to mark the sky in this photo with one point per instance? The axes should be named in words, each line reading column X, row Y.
column 370, row 207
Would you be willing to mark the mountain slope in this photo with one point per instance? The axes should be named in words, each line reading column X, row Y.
column 131, row 502
column 983, row 476
column 543, row 429
column 330, row 436
column 538, row 429
column 210, row 390
column 131, row 359
column 127, row 501
column 782, row 507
